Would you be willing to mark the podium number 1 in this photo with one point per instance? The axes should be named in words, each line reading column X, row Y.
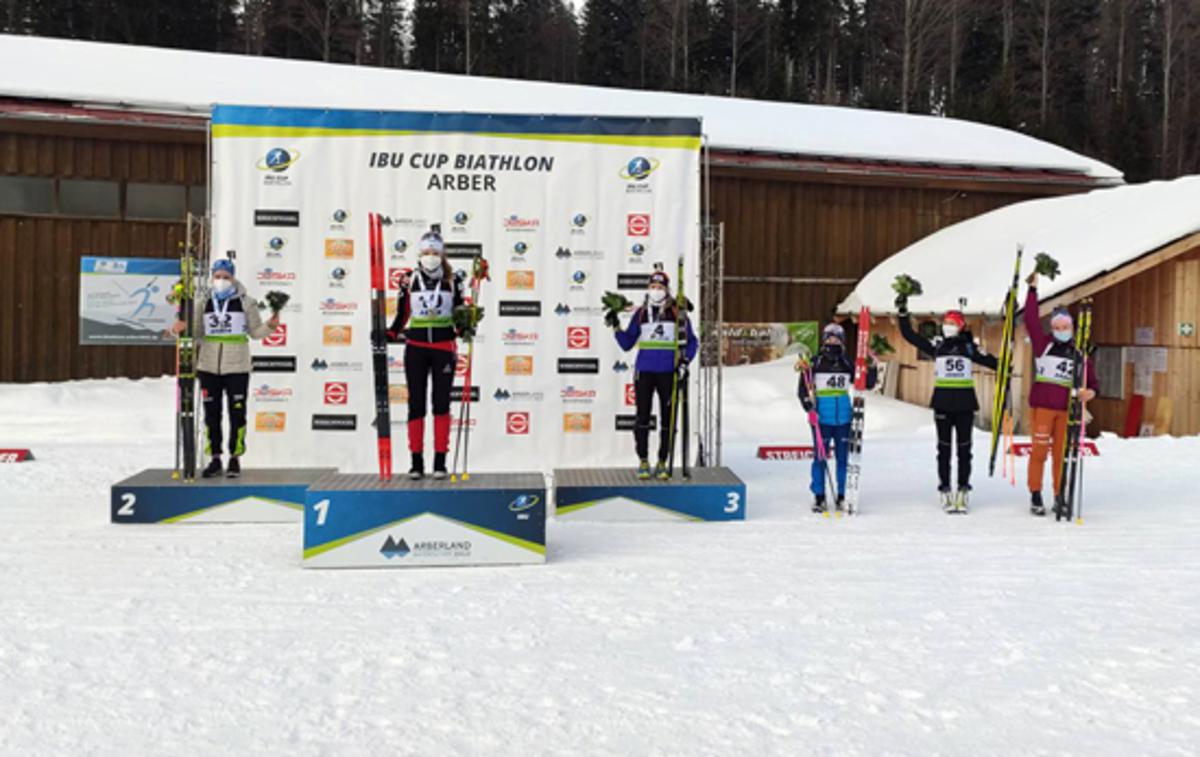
column 322, row 509
column 733, row 502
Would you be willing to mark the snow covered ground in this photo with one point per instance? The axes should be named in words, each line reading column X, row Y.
column 903, row 631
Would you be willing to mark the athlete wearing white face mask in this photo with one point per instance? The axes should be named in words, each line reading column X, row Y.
column 652, row 329
column 424, row 315
column 228, row 320
column 954, row 403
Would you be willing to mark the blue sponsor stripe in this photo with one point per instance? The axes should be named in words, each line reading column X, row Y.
column 247, row 115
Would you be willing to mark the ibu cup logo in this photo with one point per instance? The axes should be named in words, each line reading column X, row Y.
column 461, row 217
column 579, row 221
column 278, row 160
column 400, row 246
column 639, row 168
column 524, row 502
column 578, row 277
column 520, row 248
column 638, row 249
column 340, row 216
column 275, row 246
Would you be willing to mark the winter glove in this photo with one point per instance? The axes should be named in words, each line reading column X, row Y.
column 683, row 371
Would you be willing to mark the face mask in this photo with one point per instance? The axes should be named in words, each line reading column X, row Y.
column 1062, row 336
column 657, row 295
column 833, row 348
column 431, row 263
column 949, row 330
column 222, row 286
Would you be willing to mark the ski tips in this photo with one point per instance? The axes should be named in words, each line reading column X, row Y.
column 466, row 477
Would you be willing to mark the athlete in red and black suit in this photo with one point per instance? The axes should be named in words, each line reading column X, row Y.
column 424, row 316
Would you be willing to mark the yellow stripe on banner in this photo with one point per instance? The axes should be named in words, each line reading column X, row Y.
column 627, row 140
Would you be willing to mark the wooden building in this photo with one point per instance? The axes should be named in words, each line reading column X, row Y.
column 1134, row 250
column 103, row 151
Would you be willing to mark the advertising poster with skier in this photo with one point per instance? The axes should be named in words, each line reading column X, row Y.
column 125, row 300
column 561, row 208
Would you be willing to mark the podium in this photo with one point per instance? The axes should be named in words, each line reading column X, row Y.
column 616, row 494
column 358, row 521
column 265, row 495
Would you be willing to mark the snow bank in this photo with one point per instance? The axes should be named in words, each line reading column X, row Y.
column 182, row 80
column 903, row 631
column 1089, row 234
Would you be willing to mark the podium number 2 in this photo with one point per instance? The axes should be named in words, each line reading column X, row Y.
column 127, row 501
column 322, row 509
column 733, row 502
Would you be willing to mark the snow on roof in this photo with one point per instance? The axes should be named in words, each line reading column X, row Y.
column 1088, row 234
column 175, row 80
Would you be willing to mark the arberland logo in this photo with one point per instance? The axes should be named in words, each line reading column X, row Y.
column 639, row 168
column 321, row 422
column 278, row 160
column 633, row 280
column 520, row 308
column 578, row 365
column 282, row 218
column 504, row 395
column 318, row 364
column 562, row 308
column 392, row 548
column 273, row 364
column 620, row 366
column 562, row 253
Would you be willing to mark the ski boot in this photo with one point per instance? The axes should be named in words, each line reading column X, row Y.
column 819, row 504
column 840, row 504
column 660, row 471
column 439, row 466
column 962, row 499
column 235, row 468
column 417, row 471
column 1036, row 506
column 947, row 499
column 213, row 469
column 643, row 471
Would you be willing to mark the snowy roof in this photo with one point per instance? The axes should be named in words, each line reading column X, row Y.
column 1088, row 234
column 178, row 80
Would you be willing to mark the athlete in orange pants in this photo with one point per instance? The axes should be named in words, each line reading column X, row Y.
column 1049, row 432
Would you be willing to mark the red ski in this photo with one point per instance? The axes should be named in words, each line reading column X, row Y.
column 854, row 460
column 379, row 346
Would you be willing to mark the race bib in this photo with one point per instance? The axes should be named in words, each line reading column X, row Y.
column 432, row 304
column 224, row 324
column 832, row 384
column 954, row 371
column 657, row 335
column 1052, row 369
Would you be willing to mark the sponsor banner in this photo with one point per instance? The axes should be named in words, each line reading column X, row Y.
column 562, row 207
column 785, row 452
column 747, row 343
column 125, row 300
column 627, row 422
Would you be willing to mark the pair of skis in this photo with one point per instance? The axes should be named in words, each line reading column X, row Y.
column 185, row 369
column 858, row 412
column 479, row 272
column 822, row 452
column 679, row 388
column 1068, row 507
column 1002, row 418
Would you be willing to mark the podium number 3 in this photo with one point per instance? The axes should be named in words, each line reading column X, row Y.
column 733, row 502
column 127, row 501
column 322, row 509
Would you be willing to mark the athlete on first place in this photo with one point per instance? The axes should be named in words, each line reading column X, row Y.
column 652, row 331
column 426, row 303
column 830, row 411
column 1054, row 376
column 954, row 403
column 229, row 319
